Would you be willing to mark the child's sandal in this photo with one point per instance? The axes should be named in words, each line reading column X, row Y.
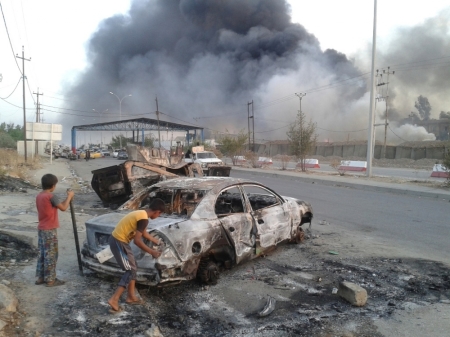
column 56, row 283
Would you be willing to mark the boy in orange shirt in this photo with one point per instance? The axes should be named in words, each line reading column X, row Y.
column 132, row 227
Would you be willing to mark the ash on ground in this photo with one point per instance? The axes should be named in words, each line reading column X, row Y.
column 306, row 305
column 11, row 184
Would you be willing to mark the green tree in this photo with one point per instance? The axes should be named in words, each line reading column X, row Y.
column 444, row 114
column 233, row 145
column 149, row 142
column 423, row 106
column 115, row 141
column 302, row 138
column 6, row 141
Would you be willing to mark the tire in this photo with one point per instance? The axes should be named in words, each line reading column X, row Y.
column 299, row 236
column 208, row 272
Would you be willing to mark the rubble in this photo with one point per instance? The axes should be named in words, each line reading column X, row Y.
column 8, row 300
column 353, row 293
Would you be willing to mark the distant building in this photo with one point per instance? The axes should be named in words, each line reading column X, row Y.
column 439, row 127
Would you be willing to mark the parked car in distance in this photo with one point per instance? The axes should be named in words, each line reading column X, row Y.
column 122, row 155
column 209, row 223
column 105, row 153
column 92, row 156
column 115, row 153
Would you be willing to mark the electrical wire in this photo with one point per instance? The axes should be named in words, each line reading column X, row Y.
column 9, row 38
column 397, row 135
column 28, row 42
column 3, row 98
column 31, row 93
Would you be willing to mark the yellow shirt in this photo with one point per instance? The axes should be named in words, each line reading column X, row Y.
column 126, row 228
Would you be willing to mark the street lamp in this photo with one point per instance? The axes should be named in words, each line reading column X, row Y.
column 120, row 111
column 101, row 133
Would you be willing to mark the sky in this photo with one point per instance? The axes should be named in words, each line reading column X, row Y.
column 56, row 34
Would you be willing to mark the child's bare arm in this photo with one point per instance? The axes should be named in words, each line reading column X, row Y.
column 65, row 204
column 149, row 237
column 138, row 242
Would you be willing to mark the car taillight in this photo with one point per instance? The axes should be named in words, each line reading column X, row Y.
column 102, row 239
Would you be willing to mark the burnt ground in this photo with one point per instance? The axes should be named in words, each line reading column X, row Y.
column 12, row 184
column 300, row 279
column 305, row 303
column 13, row 250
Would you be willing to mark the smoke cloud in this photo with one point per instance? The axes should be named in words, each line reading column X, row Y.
column 205, row 60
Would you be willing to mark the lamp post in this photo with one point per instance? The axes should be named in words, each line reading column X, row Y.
column 120, row 112
column 101, row 133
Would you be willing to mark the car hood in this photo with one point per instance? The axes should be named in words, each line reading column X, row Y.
column 209, row 160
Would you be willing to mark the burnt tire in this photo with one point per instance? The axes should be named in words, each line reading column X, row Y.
column 299, row 236
column 208, row 272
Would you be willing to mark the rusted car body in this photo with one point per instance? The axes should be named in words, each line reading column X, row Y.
column 116, row 184
column 209, row 223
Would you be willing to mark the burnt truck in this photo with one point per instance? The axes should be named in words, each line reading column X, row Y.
column 208, row 161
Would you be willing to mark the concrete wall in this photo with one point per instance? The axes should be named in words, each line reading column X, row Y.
column 348, row 151
column 32, row 149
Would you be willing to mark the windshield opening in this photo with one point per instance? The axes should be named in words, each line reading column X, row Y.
column 206, row 155
column 177, row 201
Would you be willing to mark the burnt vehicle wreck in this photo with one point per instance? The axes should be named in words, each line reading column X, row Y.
column 116, row 184
column 209, row 223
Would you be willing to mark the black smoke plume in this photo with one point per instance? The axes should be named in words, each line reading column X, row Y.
column 205, row 58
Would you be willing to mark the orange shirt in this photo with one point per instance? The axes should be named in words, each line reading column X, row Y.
column 127, row 227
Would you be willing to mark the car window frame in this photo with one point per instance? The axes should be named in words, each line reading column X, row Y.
column 243, row 200
column 281, row 200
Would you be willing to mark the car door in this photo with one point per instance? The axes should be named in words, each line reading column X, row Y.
column 237, row 221
column 270, row 214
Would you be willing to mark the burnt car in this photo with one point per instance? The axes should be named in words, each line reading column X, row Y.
column 209, row 223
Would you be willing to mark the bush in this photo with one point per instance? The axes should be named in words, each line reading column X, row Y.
column 6, row 141
column 14, row 165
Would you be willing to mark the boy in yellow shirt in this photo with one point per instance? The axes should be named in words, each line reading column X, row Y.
column 132, row 227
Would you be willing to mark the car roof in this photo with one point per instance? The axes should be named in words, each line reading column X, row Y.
column 204, row 183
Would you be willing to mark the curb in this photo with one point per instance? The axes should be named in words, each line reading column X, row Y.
column 360, row 186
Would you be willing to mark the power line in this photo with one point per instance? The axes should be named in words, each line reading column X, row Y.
column 29, row 90
column 9, row 38
column 397, row 135
column 4, row 98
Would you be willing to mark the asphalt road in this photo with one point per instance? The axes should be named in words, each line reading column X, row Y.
column 419, row 174
column 411, row 222
column 415, row 223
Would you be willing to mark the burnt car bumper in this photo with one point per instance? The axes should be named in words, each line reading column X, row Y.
column 147, row 277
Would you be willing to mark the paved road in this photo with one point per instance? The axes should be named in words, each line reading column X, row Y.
column 419, row 224
column 415, row 223
column 419, row 174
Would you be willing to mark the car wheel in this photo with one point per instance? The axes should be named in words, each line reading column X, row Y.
column 299, row 236
column 208, row 272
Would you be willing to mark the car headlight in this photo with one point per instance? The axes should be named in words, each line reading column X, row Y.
column 204, row 165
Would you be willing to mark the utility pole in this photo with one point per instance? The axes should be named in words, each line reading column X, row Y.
column 300, row 96
column 23, row 89
column 157, row 115
column 386, row 97
column 38, row 107
column 38, row 112
column 253, row 128
column 372, row 94
column 248, row 120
